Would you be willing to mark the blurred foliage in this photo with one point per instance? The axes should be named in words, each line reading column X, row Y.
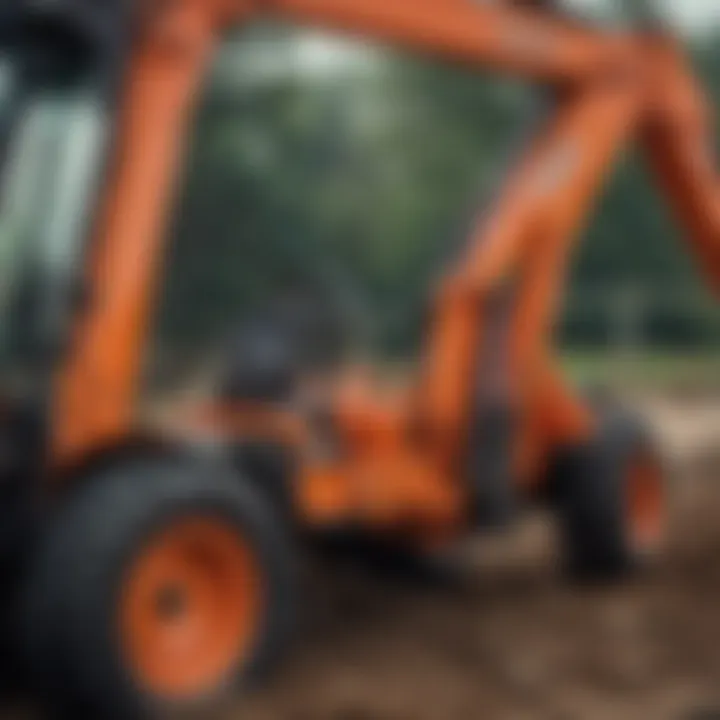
column 362, row 180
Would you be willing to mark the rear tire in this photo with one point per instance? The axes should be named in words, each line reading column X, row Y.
column 163, row 586
column 611, row 501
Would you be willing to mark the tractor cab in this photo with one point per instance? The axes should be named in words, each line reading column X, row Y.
column 57, row 68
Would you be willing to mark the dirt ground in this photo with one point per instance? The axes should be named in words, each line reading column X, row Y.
column 508, row 639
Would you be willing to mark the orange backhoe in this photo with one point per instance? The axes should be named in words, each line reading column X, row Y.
column 154, row 566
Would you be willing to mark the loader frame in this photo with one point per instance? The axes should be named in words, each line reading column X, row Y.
column 489, row 351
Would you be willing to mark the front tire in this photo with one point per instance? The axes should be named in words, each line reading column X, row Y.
column 162, row 587
column 611, row 499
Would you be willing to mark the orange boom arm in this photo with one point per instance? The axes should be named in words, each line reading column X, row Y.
column 680, row 144
column 524, row 41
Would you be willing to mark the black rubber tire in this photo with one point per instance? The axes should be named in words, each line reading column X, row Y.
column 76, row 579
column 590, row 495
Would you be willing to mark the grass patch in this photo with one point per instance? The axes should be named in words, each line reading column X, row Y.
column 657, row 371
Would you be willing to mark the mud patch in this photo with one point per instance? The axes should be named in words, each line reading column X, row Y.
column 510, row 639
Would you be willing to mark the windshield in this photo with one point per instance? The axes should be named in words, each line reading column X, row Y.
column 52, row 136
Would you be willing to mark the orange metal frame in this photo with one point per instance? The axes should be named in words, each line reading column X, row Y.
column 401, row 456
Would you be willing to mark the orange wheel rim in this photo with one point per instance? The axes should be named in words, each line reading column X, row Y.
column 190, row 608
column 646, row 503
